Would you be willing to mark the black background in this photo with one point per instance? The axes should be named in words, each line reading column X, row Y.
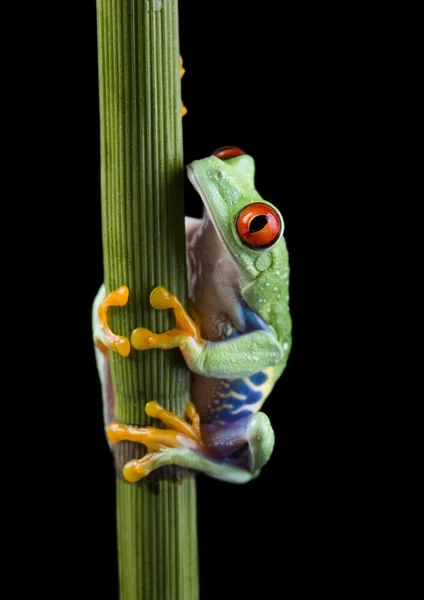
column 244, row 86
column 321, row 97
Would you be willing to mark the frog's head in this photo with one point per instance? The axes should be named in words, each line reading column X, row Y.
column 250, row 227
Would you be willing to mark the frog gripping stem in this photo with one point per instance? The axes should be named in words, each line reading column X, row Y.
column 104, row 336
column 182, row 71
column 162, row 299
column 179, row 435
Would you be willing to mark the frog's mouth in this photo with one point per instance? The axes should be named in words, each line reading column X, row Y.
column 208, row 215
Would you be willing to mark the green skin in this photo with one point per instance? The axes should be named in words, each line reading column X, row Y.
column 260, row 278
column 257, row 276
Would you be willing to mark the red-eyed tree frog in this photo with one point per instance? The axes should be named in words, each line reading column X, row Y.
column 236, row 342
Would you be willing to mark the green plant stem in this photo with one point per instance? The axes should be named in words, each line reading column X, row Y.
column 144, row 246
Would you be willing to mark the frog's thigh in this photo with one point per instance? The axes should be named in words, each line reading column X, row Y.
column 253, row 431
column 257, row 433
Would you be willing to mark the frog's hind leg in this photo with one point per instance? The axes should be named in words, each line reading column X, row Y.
column 182, row 445
column 261, row 439
column 247, row 443
column 184, row 457
column 181, row 435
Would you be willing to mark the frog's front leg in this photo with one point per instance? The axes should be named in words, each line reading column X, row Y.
column 104, row 337
column 236, row 357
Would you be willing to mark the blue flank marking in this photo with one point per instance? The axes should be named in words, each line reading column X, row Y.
column 227, row 417
column 217, row 413
column 250, row 321
column 258, row 378
column 253, row 321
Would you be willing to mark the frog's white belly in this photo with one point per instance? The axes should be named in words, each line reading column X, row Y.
column 213, row 281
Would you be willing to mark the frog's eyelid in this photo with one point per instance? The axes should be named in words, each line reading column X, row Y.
column 226, row 152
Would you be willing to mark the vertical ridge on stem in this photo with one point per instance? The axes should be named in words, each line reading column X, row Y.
column 144, row 246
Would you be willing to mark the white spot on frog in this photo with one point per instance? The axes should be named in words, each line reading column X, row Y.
column 285, row 346
column 232, row 394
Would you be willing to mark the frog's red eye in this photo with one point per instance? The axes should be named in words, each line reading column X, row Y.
column 258, row 225
column 228, row 152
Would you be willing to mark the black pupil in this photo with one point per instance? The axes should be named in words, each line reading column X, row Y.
column 258, row 223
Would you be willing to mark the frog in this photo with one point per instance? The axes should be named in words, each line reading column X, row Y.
column 235, row 337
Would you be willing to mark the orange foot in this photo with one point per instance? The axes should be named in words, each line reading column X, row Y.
column 162, row 299
column 180, row 435
column 105, row 338
column 182, row 71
